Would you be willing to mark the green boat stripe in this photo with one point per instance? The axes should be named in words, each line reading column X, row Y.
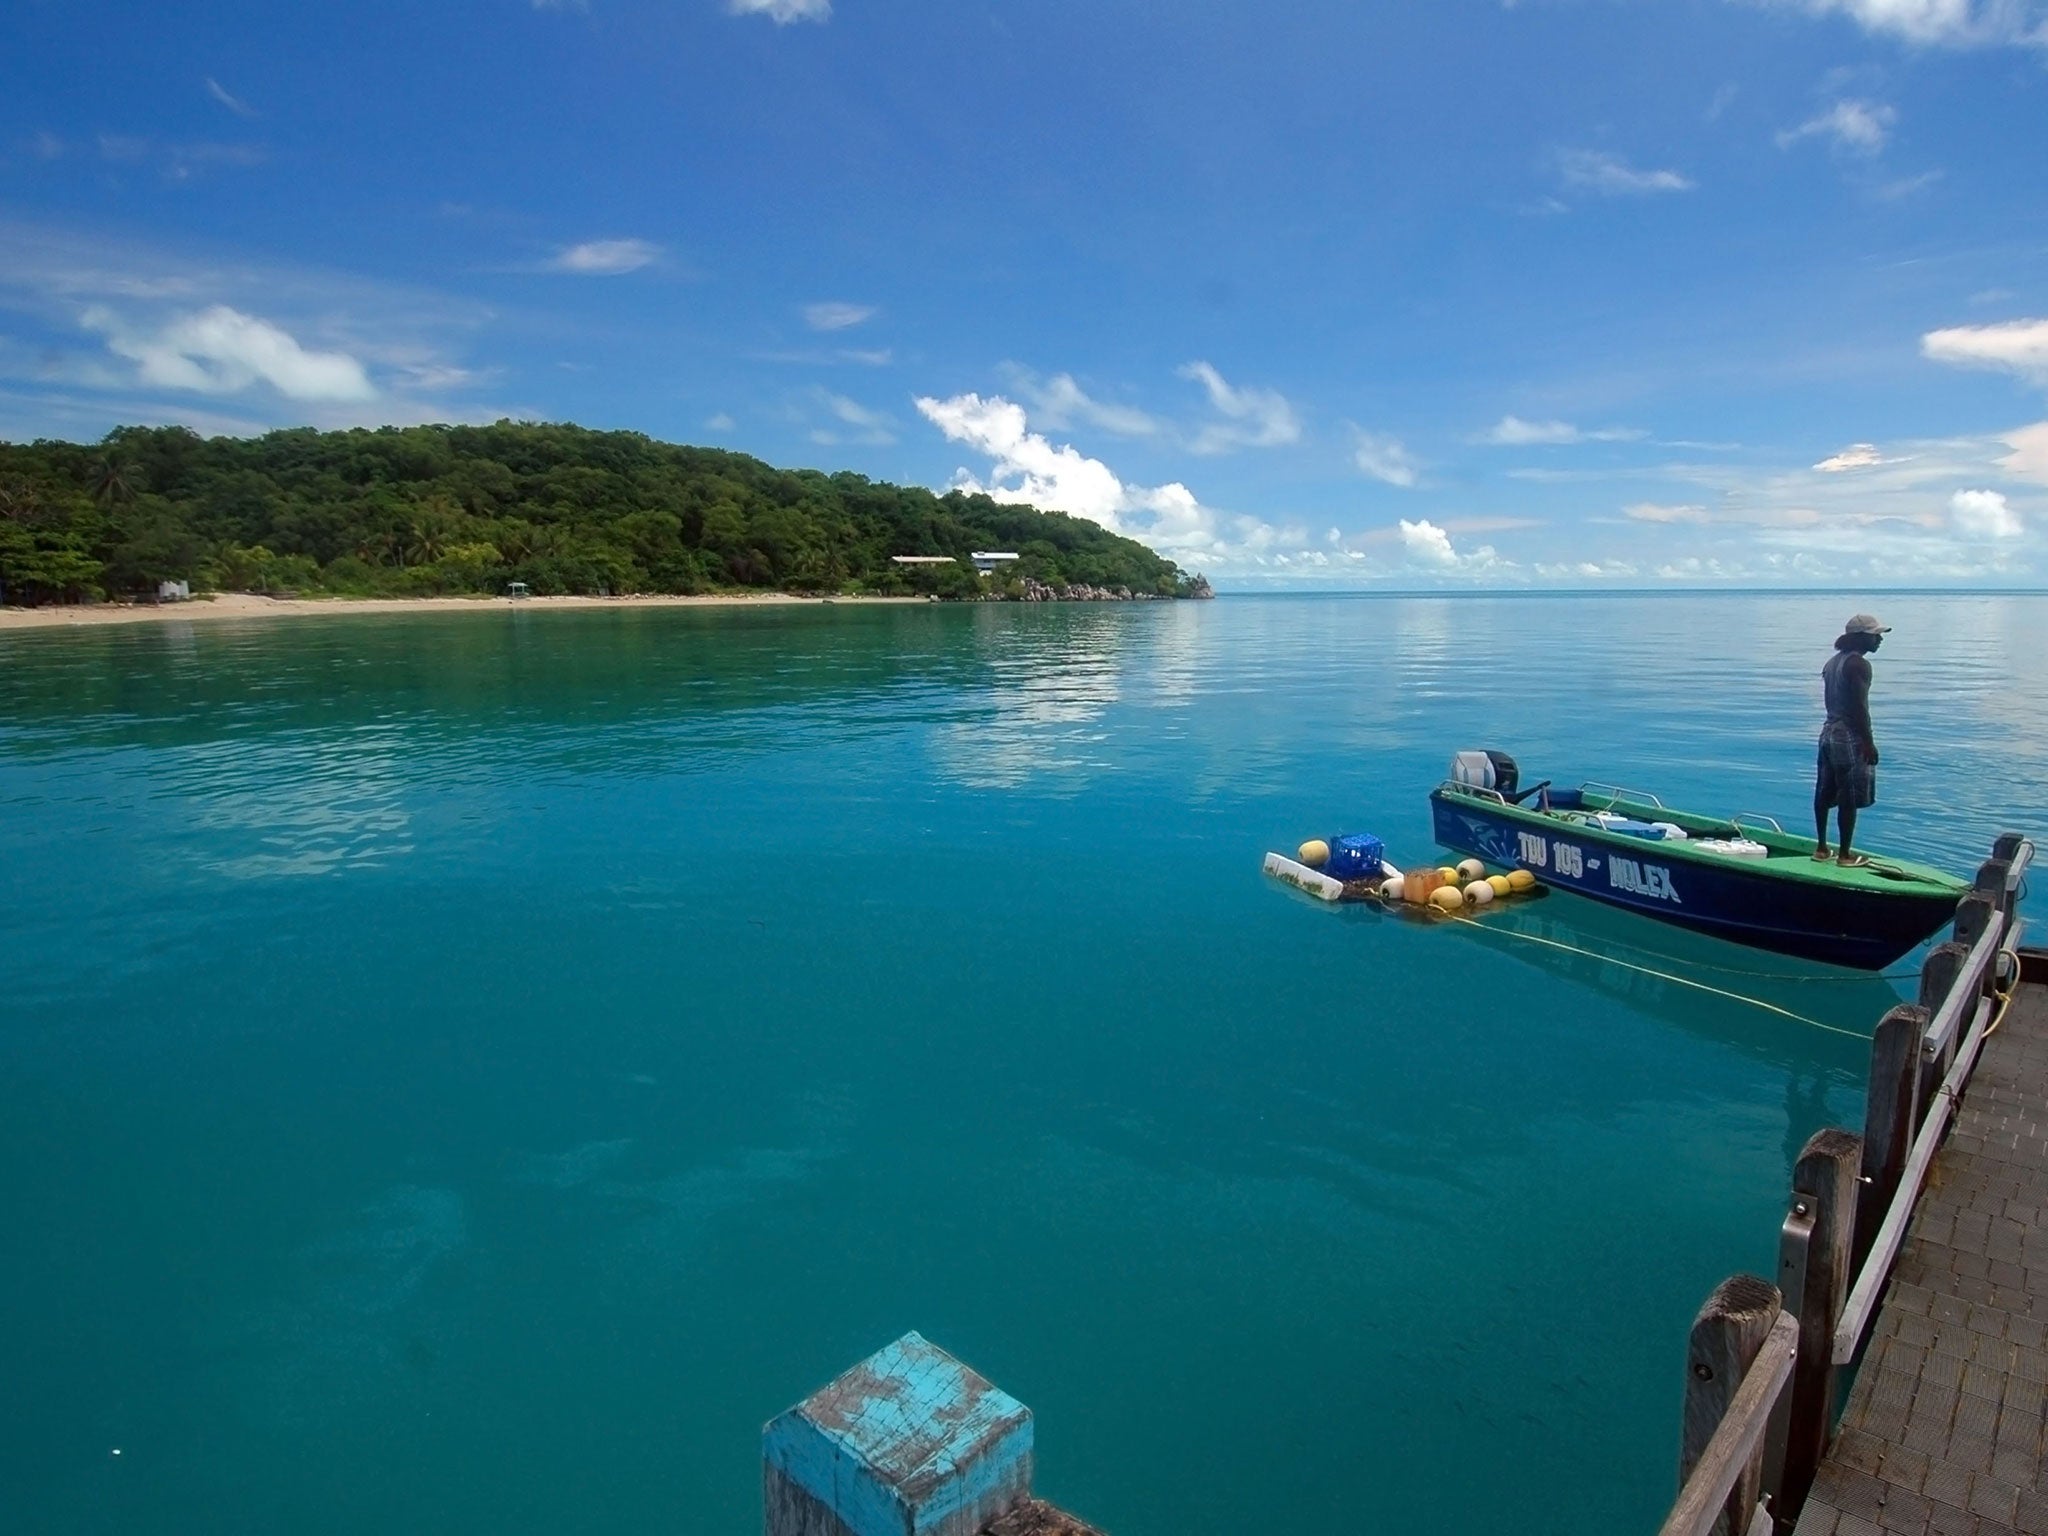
column 1791, row 855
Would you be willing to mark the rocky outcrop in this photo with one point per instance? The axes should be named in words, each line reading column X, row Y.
column 1082, row 592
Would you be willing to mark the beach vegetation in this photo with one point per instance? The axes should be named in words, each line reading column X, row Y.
column 456, row 510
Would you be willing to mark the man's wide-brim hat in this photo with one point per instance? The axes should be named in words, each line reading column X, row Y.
column 1864, row 624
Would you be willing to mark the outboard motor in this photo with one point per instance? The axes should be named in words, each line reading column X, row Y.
column 1487, row 770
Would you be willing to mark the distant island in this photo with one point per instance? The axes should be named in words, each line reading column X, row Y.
column 440, row 511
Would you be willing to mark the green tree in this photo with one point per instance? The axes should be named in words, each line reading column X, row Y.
column 465, row 508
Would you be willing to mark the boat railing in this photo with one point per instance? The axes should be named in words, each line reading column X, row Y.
column 1762, row 1362
column 1741, row 823
column 1617, row 792
column 1475, row 791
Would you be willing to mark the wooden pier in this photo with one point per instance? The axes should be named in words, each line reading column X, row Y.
column 1913, row 1255
column 1943, row 1431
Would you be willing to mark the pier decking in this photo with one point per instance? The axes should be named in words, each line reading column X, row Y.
column 1943, row 1429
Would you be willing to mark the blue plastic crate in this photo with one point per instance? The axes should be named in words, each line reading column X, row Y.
column 1355, row 856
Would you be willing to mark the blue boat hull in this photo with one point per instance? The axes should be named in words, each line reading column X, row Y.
column 1728, row 899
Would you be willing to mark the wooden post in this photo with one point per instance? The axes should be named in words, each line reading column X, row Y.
column 1938, row 975
column 1991, row 875
column 1813, row 1274
column 1974, row 916
column 1891, row 1115
column 1726, row 1336
column 908, row 1440
column 2008, row 846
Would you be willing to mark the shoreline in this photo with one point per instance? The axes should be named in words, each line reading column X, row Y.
column 247, row 605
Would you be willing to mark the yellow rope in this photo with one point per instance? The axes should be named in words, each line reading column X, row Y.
column 1683, row 981
column 2004, row 996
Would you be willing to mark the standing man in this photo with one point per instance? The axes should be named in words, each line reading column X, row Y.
column 1846, row 777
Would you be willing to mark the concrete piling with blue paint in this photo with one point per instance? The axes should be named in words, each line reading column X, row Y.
column 910, row 1442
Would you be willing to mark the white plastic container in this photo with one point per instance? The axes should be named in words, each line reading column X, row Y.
column 1732, row 847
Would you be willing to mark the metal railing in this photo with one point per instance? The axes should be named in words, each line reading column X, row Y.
column 1619, row 792
column 1761, row 1377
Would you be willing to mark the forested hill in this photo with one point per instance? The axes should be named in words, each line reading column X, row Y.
column 427, row 510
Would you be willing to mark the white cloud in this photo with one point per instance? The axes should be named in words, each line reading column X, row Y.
column 721, row 422
column 380, row 353
column 1384, row 459
column 1855, row 456
column 870, row 427
column 866, row 357
column 1513, row 432
column 1659, row 512
column 1028, row 467
column 427, row 373
column 2020, row 346
column 1060, row 402
column 1858, row 126
column 1586, row 570
column 1983, row 515
column 1610, row 175
column 604, row 258
column 1906, row 186
column 176, row 162
column 1947, row 23
column 220, row 350
column 836, row 316
column 233, row 103
column 1253, row 418
column 2029, row 457
column 1429, row 545
column 783, row 12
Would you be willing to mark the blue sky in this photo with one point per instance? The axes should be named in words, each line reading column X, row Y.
column 1572, row 292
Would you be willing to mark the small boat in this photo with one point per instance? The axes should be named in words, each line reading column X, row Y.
column 1742, row 878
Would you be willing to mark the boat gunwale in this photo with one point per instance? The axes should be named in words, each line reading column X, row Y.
column 1793, row 862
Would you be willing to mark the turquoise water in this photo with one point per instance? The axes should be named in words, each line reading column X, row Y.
column 465, row 1072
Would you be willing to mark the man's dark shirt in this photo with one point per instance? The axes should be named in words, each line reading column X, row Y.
column 1845, row 683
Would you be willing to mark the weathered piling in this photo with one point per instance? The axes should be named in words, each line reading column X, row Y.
column 1726, row 1338
column 910, row 1442
column 1938, row 975
column 1891, row 1114
column 1813, row 1274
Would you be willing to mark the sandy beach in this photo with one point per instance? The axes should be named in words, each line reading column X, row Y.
column 244, row 605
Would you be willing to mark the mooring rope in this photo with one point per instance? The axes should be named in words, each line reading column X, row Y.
column 1644, row 970
column 1795, row 976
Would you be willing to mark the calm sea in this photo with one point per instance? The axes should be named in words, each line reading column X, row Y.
column 466, row 1072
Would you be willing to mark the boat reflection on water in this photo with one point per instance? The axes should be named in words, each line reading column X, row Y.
column 1794, row 1013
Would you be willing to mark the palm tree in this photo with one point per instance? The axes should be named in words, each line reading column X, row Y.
column 18, row 499
column 112, row 478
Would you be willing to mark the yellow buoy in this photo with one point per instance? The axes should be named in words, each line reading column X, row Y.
column 1315, row 853
column 1478, row 893
column 1500, row 883
column 1521, row 880
column 1393, row 890
column 1450, row 875
column 1447, row 898
column 1470, row 870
